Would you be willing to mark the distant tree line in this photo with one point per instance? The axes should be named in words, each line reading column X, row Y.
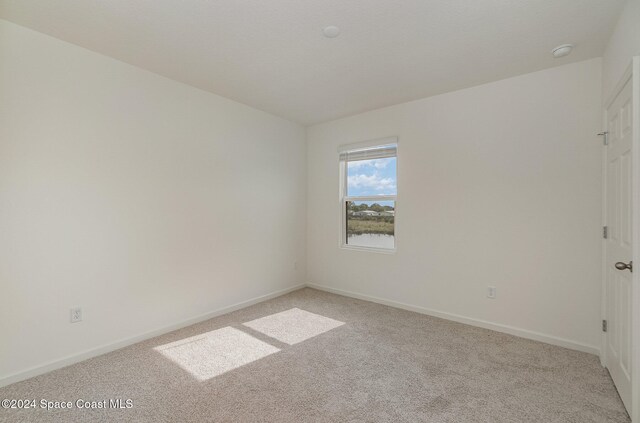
column 351, row 206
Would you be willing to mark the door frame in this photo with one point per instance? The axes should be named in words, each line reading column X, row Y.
column 632, row 73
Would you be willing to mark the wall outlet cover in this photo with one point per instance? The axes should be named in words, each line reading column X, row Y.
column 491, row 292
column 76, row 315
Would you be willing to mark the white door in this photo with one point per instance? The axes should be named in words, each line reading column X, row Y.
column 619, row 242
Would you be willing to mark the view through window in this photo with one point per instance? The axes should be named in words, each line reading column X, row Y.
column 369, row 197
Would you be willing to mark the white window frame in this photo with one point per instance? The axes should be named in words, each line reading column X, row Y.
column 343, row 197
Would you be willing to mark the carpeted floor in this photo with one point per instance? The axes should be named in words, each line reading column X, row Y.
column 310, row 356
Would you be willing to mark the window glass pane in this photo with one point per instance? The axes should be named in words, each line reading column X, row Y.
column 371, row 224
column 371, row 177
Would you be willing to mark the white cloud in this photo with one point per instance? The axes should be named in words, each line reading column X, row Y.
column 376, row 163
column 381, row 163
column 358, row 165
column 371, row 181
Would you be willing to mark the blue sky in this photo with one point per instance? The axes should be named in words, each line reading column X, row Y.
column 372, row 177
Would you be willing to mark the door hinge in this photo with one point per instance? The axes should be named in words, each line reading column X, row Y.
column 605, row 232
column 605, row 137
column 604, row 325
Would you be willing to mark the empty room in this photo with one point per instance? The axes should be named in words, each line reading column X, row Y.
column 320, row 211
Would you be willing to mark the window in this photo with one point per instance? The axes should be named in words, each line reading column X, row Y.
column 368, row 195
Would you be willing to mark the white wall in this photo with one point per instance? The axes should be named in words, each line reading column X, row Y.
column 142, row 200
column 623, row 45
column 497, row 185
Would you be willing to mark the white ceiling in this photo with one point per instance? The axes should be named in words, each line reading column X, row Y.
column 271, row 54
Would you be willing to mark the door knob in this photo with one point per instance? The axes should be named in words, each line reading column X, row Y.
column 624, row 266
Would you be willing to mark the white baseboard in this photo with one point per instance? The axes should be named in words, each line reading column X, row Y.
column 522, row 333
column 93, row 352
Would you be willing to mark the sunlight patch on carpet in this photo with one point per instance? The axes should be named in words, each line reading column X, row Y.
column 213, row 353
column 293, row 326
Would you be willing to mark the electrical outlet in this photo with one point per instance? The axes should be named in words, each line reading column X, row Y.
column 76, row 315
column 491, row 292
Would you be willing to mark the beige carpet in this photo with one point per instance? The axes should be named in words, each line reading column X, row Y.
column 311, row 356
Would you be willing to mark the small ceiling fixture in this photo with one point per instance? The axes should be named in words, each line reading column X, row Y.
column 331, row 31
column 562, row 50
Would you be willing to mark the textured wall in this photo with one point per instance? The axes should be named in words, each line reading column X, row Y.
column 142, row 200
column 498, row 185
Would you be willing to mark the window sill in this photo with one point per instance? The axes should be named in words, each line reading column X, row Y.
column 369, row 249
